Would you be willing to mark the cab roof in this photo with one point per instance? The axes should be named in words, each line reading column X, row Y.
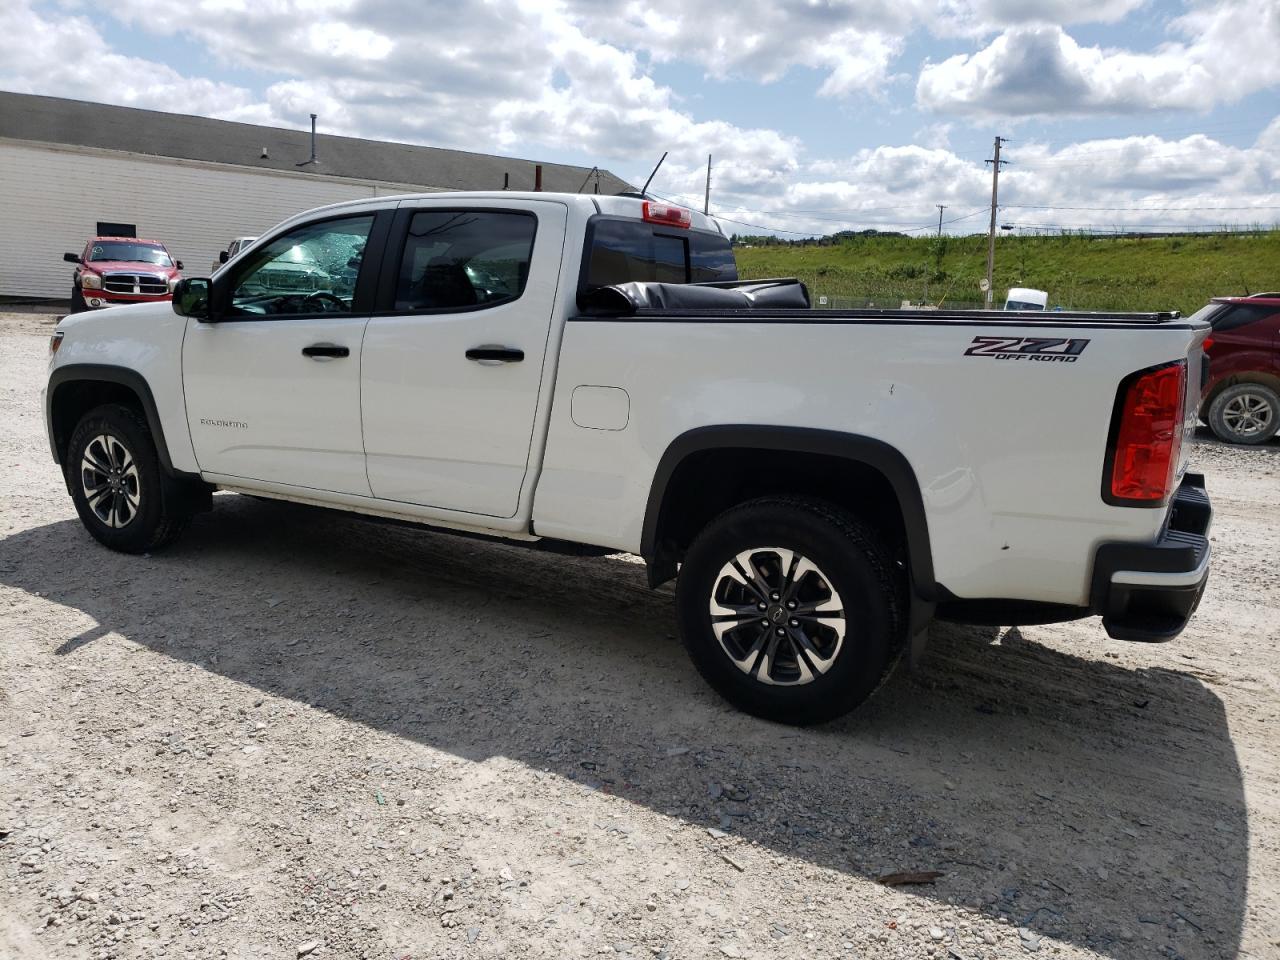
column 616, row 206
column 1269, row 299
column 153, row 243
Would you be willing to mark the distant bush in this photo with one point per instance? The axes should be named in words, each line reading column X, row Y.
column 1080, row 271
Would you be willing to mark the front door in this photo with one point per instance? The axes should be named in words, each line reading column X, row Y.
column 453, row 358
column 273, row 384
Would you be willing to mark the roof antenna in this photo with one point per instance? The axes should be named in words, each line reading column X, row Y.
column 314, row 158
column 645, row 188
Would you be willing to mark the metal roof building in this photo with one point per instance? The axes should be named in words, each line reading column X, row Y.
column 70, row 169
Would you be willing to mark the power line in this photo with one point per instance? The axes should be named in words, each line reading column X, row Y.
column 1056, row 206
column 1204, row 128
column 1130, row 227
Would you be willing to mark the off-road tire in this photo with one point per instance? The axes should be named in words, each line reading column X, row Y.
column 163, row 509
column 1225, row 418
column 858, row 565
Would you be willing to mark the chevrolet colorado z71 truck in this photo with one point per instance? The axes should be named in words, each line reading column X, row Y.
column 587, row 371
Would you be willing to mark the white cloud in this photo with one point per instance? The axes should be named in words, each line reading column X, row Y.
column 983, row 17
column 854, row 43
column 524, row 77
column 1040, row 69
column 69, row 58
column 1140, row 182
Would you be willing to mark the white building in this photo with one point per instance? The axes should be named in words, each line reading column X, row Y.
column 70, row 170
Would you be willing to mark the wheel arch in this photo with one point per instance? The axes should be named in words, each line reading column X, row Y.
column 681, row 499
column 77, row 388
column 1263, row 377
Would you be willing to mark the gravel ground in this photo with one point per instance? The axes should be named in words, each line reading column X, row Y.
column 295, row 733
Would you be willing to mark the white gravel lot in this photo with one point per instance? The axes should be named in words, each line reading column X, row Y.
column 297, row 732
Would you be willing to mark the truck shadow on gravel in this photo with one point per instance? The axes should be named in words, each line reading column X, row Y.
column 1087, row 802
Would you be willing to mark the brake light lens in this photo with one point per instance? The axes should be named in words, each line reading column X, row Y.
column 1146, row 436
column 1206, row 344
column 667, row 214
column 55, row 341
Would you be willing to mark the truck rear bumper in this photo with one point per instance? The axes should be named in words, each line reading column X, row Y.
column 1148, row 592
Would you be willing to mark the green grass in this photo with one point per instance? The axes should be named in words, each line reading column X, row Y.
column 1079, row 272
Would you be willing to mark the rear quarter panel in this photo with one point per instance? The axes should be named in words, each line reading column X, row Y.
column 1008, row 454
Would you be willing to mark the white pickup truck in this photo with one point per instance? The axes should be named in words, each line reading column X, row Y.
column 586, row 370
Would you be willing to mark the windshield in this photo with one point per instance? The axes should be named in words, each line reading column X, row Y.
column 129, row 252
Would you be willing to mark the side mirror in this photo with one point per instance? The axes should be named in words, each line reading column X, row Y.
column 191, row 298
column 178, row 264
column 71, row 257
column 223, row 257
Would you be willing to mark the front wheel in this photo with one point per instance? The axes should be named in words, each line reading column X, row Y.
column 124, row 498
column 77, row 300
column 1245, row 413
column 791, row 609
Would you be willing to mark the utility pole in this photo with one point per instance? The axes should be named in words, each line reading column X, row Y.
column 706, row 203
column 991, row 233
column 941, row 207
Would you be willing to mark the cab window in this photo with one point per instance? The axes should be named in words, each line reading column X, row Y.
column 309, row 270
column 464, row 259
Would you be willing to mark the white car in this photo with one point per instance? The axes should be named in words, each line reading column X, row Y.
column 234, row 247
column 1025, row 298
column 537, row 367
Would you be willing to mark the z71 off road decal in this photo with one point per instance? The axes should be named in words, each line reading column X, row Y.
column 1053, row 349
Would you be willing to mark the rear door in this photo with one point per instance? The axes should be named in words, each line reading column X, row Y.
column 273, row 386
column 453, row 357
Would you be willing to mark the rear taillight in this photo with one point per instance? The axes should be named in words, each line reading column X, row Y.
column 1146, row 437
column 667, row 214
column 1206, row 344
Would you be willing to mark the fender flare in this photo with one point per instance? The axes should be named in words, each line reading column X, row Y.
column 885, row 459
column 125, row 377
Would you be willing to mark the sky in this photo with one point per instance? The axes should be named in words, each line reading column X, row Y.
column 819, row 116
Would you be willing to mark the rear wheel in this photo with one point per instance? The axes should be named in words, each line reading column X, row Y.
column 1245, row 413
column 124, row 498
column 790, row 609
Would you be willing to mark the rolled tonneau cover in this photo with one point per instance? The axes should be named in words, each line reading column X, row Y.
column 784, row 293
column 787, row 299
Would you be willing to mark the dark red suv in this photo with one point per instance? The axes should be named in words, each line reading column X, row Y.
column 1242, row 398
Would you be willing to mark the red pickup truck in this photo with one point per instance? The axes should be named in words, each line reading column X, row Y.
column 116, row 270
column 1242, row 396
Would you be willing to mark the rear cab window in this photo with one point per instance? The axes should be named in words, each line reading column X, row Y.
column 623, row 250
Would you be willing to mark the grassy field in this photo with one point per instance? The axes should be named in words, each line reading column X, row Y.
column 1080, row 272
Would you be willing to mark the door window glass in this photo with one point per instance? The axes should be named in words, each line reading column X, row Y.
column 464, row 259
column 310, row 270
